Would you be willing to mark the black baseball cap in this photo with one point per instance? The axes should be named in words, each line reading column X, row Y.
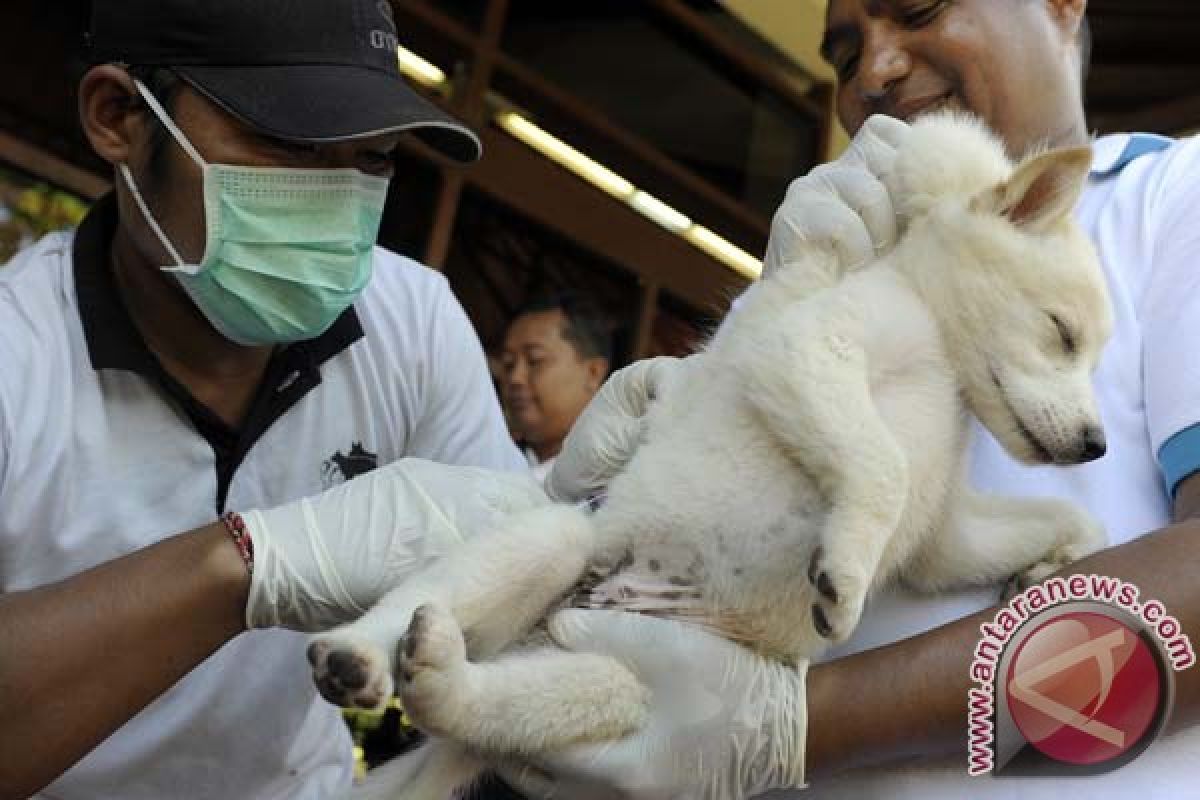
column 303, row 70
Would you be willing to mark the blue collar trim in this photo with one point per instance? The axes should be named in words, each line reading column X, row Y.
column 1138, row 145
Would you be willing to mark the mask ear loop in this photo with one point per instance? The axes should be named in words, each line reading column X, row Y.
column 180, row 265
column 169, row 124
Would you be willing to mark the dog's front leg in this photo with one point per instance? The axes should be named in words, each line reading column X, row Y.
column 807, row 378
column 987, row 539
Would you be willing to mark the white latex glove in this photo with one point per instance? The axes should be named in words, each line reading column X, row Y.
column 324, row 560
column 724, row 724
column 842, row 206
column 608, row 431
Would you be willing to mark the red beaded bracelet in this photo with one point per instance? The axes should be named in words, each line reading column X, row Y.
column 241, row 537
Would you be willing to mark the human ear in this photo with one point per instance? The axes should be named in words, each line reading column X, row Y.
column 1069, row 15
column 110, row 112
column 597, row 370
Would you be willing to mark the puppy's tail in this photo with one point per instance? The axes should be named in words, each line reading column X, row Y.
column 437, row 771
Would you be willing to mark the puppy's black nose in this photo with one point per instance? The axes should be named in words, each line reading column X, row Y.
column 1094, row 445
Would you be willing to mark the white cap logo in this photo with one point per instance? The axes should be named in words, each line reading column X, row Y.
column 385, row 39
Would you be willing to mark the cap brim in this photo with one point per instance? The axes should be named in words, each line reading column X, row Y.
column 330, row 103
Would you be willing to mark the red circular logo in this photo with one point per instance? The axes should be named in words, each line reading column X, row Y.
column 1084, row 688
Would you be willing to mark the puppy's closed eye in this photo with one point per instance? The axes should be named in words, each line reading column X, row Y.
column 1069, row 343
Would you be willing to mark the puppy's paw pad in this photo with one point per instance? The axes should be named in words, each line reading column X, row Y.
column 351, row 674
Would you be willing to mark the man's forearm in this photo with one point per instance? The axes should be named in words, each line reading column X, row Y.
column 81, row 657
column 910, row 699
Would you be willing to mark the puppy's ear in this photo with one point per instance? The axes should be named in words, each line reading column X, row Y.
column 1042, row 191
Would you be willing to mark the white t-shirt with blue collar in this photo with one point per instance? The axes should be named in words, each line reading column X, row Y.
column 1142, row 211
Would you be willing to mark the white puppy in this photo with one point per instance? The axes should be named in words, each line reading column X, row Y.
column 811, row 452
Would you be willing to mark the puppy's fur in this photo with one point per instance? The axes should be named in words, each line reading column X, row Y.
column 813, row 451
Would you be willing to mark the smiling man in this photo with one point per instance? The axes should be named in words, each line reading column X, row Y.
column 1018, row 64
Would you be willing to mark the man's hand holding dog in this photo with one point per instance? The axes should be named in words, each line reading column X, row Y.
column 842, row 206
column 725, row 723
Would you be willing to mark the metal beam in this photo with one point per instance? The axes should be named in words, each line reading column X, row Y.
column 748, row 219
column 471, row 105
column 43, row 164
column 795, row 27
column 557, row 199
column 643, row 334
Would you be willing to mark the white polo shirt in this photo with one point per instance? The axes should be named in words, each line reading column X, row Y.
column 101, row 454
column 1142, row 210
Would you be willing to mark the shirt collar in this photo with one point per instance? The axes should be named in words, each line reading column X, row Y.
column 112, row 340
column 1111, row 154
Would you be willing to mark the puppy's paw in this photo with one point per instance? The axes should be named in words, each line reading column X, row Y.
column 1057, row 559
column 1087, row 537
column 350, row 673
column 432, row 668
column 841, row 593
column 1029, row 577
column 1083, row 536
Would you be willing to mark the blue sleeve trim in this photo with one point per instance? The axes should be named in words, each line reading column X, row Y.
column 1179, row 457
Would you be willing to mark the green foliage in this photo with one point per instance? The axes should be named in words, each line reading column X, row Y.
column 30, row 210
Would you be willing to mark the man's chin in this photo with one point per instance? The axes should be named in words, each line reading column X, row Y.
column 528, row 433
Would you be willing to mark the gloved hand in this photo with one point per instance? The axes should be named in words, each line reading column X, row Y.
column 324, row 560
column 608, row 431
column 724, row 724
column 843, row 205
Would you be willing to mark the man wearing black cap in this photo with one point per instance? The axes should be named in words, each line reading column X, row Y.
column 222, row 333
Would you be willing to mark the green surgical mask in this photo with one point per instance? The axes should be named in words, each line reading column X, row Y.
column 286, row 250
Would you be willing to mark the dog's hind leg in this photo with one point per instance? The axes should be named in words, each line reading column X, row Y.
column 496, row 585
column 807, row 379
column 520, row 704
column 988, row 539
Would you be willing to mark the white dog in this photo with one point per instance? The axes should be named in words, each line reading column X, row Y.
column 811, row 452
